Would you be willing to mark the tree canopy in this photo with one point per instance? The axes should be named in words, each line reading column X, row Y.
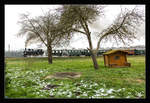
column 77, row 18
column 45, row 29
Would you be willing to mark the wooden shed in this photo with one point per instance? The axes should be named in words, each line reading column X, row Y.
column 116, row 58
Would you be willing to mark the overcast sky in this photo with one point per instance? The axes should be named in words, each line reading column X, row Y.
column 12, row 13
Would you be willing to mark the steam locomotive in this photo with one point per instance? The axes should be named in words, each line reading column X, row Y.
column 32, row 52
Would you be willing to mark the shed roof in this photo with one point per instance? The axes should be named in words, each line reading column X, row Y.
column 114, row 51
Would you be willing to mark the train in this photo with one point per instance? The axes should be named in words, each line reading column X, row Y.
column 33, row 52
column 84, row 52
column 135, row 52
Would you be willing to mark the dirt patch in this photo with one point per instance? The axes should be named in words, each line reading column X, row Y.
column 50, row 86
column 63, row 75
column 136, row 80
column 140, row 80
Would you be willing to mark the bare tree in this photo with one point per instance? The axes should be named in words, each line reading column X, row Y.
column 43, row 29
column 124, row 27
column 77, row 18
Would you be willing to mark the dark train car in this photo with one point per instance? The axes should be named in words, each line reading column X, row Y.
column 58, row 52
column 74, row 52
column 139, row 52
column 32, row 52
column 87, row 53
column 70, row 52
column 143, row 52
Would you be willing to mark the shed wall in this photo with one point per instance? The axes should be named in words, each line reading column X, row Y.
column 106, row 60
column 120, row 62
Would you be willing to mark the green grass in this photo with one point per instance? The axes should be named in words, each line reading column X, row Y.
column 25, row 78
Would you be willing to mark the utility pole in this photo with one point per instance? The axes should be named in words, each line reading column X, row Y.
column 9, row 47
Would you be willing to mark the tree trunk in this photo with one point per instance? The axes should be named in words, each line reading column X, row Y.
column 93, row 55
column 88, row 34
column 49, row 50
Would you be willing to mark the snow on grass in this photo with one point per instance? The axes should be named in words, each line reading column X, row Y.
column 80, row 89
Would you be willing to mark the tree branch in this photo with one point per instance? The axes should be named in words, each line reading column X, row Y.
column 111, row 31
column 36, row 31
column 78, row 31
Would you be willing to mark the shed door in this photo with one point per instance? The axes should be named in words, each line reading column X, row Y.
column 118, row 59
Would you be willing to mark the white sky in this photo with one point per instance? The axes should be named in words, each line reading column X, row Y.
column 12, row 13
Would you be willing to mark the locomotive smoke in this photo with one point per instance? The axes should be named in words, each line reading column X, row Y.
column 26, row 44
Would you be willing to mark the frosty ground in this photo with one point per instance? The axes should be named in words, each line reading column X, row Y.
column 25, row 78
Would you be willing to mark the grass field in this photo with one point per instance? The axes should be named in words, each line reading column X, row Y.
column 25, row 78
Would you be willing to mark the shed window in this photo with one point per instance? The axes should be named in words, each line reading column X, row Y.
column 116, row 57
